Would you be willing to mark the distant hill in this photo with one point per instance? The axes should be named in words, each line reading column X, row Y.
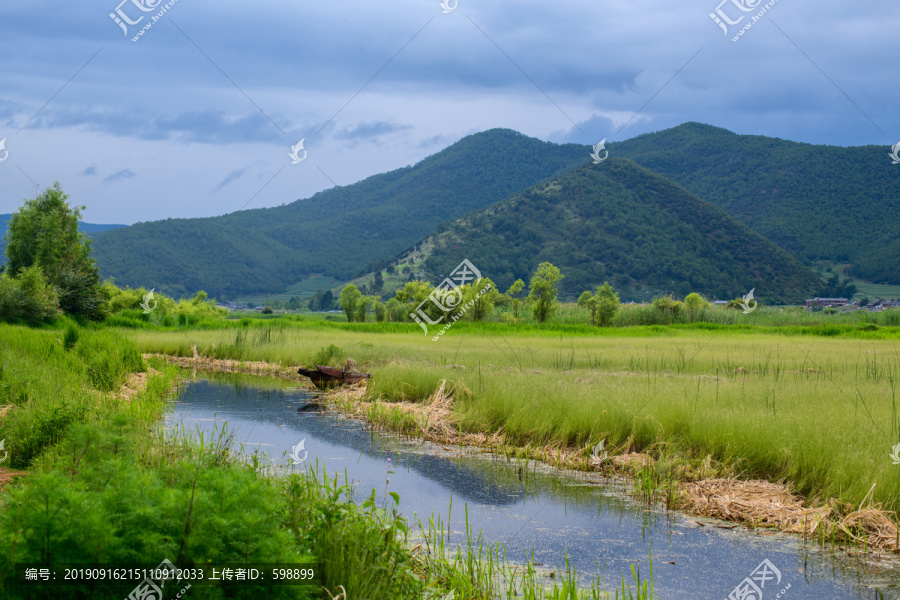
column 337, row 232
column 88, row 228
column 620, row 222
column 823, row 203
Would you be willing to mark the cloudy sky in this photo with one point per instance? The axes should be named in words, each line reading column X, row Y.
column 198, row 116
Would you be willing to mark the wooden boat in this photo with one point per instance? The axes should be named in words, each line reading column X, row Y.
column 326, row 377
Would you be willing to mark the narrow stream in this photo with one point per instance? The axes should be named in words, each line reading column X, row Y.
column 531, row 511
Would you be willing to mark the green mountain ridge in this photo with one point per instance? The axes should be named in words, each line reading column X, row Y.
column 620, row 222
column 820, row 203
column 338, row 232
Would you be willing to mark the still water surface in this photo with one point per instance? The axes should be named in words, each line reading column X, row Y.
column 528, row 510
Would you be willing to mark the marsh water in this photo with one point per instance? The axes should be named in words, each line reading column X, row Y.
column 532, row 511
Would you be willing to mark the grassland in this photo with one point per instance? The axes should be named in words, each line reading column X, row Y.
column 818, row 410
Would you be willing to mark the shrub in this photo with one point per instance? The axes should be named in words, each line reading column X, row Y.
column 28, row 298
column 668, row 306
column 325, row 355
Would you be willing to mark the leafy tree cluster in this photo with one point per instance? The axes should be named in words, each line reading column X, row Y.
column 321, row 301
column 601, row 305
column 835, row 288
column 49, row 266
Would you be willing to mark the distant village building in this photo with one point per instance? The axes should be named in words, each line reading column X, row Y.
column 720, row 302
column 882, row 305
column 823, row 302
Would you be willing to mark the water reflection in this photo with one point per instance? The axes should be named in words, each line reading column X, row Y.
column 532, row 513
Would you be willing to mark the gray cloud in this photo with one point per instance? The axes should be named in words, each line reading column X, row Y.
column 233, row 176
column 123, row 174
column 370, row 130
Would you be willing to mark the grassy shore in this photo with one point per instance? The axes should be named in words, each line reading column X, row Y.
column 819, row 411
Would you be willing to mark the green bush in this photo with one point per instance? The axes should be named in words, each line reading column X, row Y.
column 28, row 298
column 327, row 354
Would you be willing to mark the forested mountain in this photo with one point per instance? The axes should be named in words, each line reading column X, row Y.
column 338, row 232
column 818, row 202
column 620, row 222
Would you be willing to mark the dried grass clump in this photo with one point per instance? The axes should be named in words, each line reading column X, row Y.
column 761, row 503
column 871, row 526
column 228, row 366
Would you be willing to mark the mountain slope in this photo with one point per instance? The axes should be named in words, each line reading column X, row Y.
column 620, row 222
column 818, row 202
column 338, row 232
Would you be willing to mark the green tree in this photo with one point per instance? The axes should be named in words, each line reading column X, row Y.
column 295, row 303
column 362, row 307
column 396, row 310
column 543, row 291
column 349, row 299
column 482, row 301
column 44, row 232
column 380, row 311
column 413, row 294
column 378, row 284
column 588, row 302
column 607, row 303
column 695, row 303
column 515, row 294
